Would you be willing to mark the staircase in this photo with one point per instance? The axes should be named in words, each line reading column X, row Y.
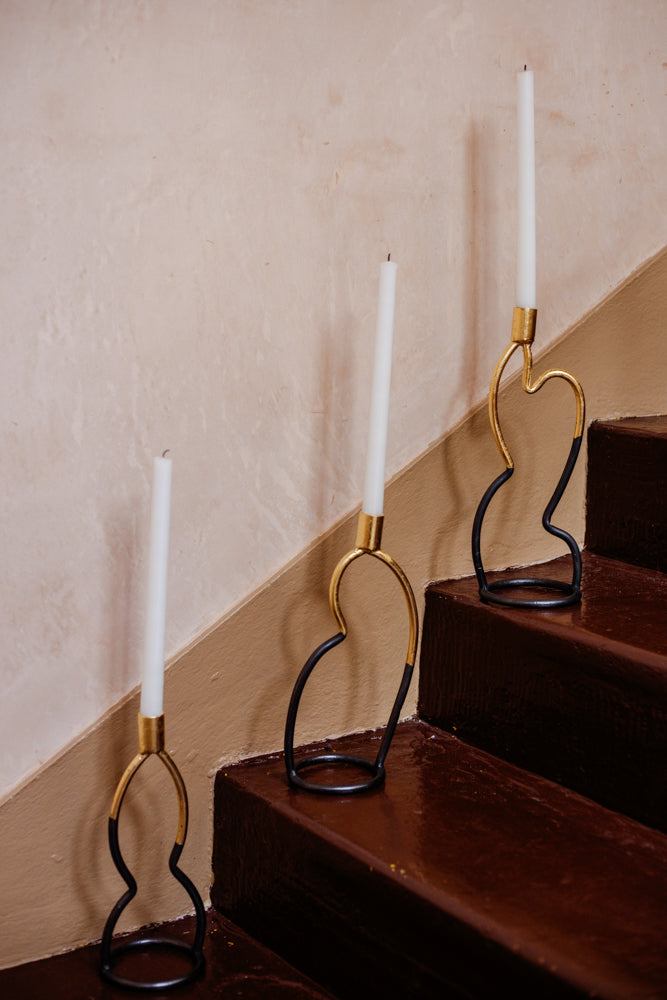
column 519, row 845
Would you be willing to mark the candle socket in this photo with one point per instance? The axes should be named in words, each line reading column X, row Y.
column 524, row 322
column 368, row 539
column 151, row 741
column 369, row 532
column 151, row 733
column 560, row 593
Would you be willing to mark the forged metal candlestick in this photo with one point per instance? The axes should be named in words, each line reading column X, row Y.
column 523, row 334
column 151, row 741
column 369, row 538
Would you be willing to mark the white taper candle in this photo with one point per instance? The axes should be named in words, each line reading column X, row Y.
column 373, row 502
column 526, row 294
column 152, row 684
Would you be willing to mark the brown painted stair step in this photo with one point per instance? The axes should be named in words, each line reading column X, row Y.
column 576, row 694
column 627, row 490
column 467, row 876
column 463, row 877
column 236, row 967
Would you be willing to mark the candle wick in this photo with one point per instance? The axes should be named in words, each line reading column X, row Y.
column 166, row 452
column 388, row 256
column 525, row 67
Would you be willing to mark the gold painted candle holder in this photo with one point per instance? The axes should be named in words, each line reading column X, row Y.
column 151, row 741
column 560, row 593
column 369, row 537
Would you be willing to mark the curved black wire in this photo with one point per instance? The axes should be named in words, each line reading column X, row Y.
column 194, row 951
column 376, row 767
column 570, row 593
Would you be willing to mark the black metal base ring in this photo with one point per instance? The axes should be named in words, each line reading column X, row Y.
column 377, row 772
column 490, row 593
column 144, row 944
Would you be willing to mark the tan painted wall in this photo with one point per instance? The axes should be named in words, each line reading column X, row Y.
column 227, row 696
column 195, row 201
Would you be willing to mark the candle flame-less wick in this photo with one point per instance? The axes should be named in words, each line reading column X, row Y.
column 166, row 452
column 525, row 67
column 388, row 256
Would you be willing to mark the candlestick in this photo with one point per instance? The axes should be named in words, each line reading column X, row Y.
column 560, row 593
column 368, row 542
column 113, row 960
column 373, row 501
column 526, row 295
column 152, row 684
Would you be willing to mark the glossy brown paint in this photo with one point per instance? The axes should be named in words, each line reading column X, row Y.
column 627, row 490
column 236, row 967
column 463, row 877
column 578, row 694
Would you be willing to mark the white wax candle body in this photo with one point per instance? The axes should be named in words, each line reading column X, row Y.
column 526, row 294
column 373, row 502
column 152, row 684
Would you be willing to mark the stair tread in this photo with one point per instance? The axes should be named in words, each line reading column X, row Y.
column 235, row 966
column 621, row 606
column 654, row 425
column 576, row 694
column 550, row 879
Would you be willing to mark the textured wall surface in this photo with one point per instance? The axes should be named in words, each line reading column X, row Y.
column 195, row 201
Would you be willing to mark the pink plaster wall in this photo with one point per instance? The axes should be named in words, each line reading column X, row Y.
column 195, row 201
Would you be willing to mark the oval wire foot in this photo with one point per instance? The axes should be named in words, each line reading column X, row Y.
column 109, row 957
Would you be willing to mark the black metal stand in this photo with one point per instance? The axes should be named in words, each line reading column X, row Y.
column 561, row 593
column 376, row 767
column 151, row 740
column 368, row 542
column 568, row 593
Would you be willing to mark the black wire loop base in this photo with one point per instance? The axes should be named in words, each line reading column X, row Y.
column 562, row 593
column 110, row 957
column 376, row 768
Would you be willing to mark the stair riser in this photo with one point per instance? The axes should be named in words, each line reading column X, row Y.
column 626, row 504
column 321, row 908
column 462, row 877
column 583, row 716
column 358, row 932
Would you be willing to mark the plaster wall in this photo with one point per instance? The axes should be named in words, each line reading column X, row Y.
column 195, row 201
